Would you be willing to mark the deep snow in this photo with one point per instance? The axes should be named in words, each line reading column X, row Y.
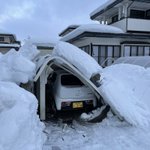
column 20, row 126
column 111, row 134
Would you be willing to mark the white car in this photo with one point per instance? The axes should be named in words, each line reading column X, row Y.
column 70, row 93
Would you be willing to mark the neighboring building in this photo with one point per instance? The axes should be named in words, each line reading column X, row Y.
column 44, row 47
column 106, row 43
column 68, row 30
column 8, row 41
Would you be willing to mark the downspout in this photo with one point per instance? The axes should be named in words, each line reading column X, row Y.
column 91, row 49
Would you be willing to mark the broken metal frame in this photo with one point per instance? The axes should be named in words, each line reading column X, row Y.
column 47, row 68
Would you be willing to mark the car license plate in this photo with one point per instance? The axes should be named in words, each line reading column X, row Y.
column 77, row 105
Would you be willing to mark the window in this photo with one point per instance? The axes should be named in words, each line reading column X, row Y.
column 70, row 80
column 85, row 48
column 140, row 51
column 117, row 52
column 146, row 51
column 148, row 14
column 103, row 52
column 137, row 14
column 115, row 18
column 132, row 50
column 109, row 55
column 95, row 53
column 127, row 51
column 1, row 39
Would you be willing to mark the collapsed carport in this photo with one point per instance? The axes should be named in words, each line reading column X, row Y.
column 114, row 85
column 49, row 65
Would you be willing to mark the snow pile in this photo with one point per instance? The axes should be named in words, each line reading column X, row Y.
column 29, row 50
column 126, row 89
column 20, row 128
column 15, row 67
column 98, row 28
column 81, row 60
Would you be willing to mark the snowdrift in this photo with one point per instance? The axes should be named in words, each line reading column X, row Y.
column 20, row 126
column 124, row 87
column 127, row 90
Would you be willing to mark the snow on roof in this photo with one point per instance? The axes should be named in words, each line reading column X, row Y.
column 98, row 28
column 44, row 44
column 9, row 45
column 69, row 27
column 81, row 60
column 102, row 7
column 7, row 33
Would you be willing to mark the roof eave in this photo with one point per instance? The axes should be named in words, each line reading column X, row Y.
column 109, row 35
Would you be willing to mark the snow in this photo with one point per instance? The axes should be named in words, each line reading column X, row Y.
column 93, row 114
column 81, row 60
column 126, row 89
column 20, row 125
column 9, row 45
column 140, row 60
column 98, row 28
column 102, row 7
column 111, row 134
column 29, row 50
column 15, row 67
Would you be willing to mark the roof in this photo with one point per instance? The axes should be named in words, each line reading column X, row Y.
column 108, row 5
column 143, row 61
column 92, row 28
column 108, row 33
column 4, row 33
column 10, row 45
column 48, row 45
column 67, row 29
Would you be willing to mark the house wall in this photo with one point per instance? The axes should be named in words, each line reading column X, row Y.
column 106, row 50
column 121, row 24
column 4, row 50
column 45, row 51
column 138, row 25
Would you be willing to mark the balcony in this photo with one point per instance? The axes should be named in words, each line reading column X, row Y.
column 133, row 24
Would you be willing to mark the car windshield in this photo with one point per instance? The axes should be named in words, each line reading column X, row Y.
column 70, row 80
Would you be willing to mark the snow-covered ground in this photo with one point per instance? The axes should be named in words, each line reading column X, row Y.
column 111, row 134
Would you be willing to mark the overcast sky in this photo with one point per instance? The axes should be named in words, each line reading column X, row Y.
column 44, row 19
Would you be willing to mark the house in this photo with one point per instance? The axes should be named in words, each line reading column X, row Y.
column 8, row 41
column 44, row 47
column 123, row 29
